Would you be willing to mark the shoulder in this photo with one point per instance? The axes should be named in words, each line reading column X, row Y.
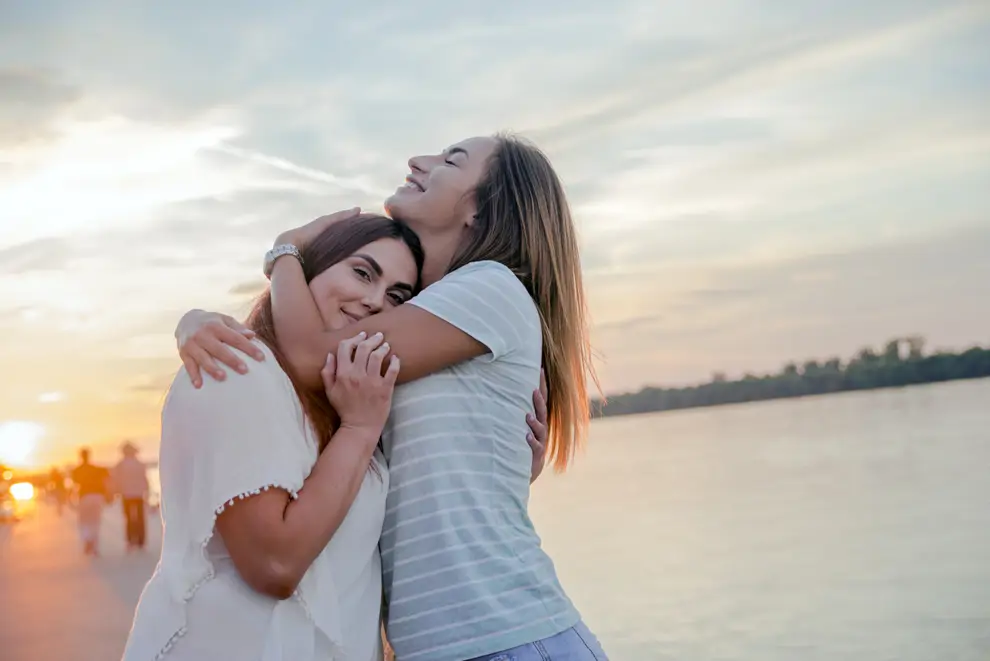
column 485, row 271
column 265, row 384
column 486, row 285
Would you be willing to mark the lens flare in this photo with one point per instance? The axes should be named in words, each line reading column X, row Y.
column 22, row 491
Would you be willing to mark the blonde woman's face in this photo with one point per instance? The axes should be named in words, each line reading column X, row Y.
column 438, row 194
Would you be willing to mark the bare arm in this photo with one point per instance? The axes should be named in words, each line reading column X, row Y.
column 273, row 539
column 425, row 343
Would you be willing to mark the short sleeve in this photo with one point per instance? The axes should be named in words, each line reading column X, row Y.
column 231, row 439
column 486, row 301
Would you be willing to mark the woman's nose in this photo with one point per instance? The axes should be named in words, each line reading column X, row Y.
column 374, row 302
column 418, row 164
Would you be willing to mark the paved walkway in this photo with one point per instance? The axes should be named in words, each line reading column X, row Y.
column 57, row 604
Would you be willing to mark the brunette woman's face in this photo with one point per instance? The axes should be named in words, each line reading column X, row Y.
column 379, row 276
column 438, row 194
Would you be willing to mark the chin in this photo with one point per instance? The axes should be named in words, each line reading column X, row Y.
column 396, row 206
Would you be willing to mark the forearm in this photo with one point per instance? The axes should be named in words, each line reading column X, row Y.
column 327, row 495
column 310, row 521
column 298, row 323
column 423, row 342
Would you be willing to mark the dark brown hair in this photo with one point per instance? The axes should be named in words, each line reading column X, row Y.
column 524, row 223
column 333, row 245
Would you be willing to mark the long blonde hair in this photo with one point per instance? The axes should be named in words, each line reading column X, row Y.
column 524, row 222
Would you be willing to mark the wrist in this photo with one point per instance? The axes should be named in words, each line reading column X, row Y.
column 184, row 320
column 280, row 250
column 287, row 238
column 361, row 432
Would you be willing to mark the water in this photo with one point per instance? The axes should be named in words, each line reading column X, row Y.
column 853, row 527
column 841, row 528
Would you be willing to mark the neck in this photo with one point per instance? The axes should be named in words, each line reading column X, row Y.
column 440, row 250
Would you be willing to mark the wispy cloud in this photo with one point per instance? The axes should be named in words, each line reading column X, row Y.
column 355, row 184
column 37, row 255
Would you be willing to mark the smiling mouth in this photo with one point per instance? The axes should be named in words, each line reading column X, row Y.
column 352, row 318
column 412, row 184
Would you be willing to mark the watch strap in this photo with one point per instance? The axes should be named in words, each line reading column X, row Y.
column 280, row 251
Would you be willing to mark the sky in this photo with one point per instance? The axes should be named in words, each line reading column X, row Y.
column 754, row 181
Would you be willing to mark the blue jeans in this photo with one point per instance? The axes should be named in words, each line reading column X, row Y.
column 575, row 644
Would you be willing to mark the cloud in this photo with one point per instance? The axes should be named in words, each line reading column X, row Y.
column 704, row 76
column 51, row 254
column 250, row 289
column 33, row 98
column 755, row 317
column 158, row 384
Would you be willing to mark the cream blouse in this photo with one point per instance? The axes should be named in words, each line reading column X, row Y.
column 222, row 443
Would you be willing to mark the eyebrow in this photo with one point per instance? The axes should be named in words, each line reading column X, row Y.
column 372, row 262
column 377, row 268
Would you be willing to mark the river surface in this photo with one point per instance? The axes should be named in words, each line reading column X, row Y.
column 842, row 528
column 849, row 527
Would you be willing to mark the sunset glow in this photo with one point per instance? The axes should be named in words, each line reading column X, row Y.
column 22, row 491
column 18, row 441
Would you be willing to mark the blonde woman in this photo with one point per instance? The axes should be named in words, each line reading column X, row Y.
column 463, row 571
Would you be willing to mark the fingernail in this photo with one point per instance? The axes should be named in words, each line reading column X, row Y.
column 259, row 356
column 385, row 346
column 242, row 368
column 329, row 358
column 197, row 383
column 377, row 335
column 529, row 417
column 362, row 334
column 529, row 437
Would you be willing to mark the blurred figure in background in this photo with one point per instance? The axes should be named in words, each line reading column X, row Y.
column 130, row 480
column 93, row 491
column 56, row 486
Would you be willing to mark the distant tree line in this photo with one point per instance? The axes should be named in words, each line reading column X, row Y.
column 901, row 363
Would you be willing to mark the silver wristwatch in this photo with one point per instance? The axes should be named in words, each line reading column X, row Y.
column 279, row 251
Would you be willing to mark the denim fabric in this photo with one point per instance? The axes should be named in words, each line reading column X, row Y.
column 574, row 644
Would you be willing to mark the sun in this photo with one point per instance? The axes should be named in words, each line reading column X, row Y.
column 18, row 440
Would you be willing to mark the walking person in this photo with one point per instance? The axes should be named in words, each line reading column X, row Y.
column 56, row 486
column 92, row 491
column 130, row 480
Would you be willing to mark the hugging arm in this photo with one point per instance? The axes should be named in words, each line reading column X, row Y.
column 424, row 343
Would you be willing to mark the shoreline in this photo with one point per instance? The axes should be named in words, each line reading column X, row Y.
column 600, row 410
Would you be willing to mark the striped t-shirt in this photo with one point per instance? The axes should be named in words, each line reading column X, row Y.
column 463, row 571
